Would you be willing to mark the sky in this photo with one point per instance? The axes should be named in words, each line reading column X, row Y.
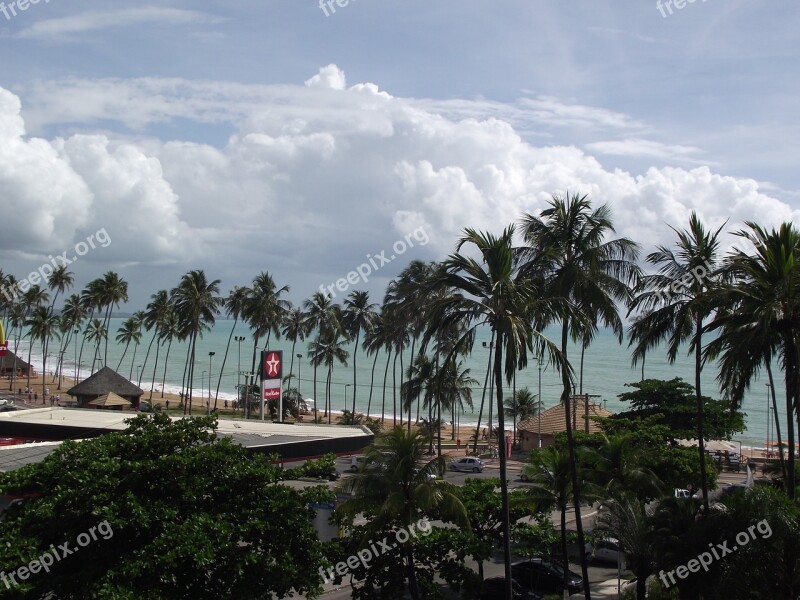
column 309, row 140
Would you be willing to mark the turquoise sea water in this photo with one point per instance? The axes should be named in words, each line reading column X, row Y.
column 607, row 368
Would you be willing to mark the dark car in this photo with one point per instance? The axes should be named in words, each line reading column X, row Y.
column 541, row 576
column 495, row 587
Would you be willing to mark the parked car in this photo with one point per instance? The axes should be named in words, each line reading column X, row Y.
column 495, row 587
column 606, row 551
column 540, row 576
column 3, row 401
column 469, row 464
column 356, row 462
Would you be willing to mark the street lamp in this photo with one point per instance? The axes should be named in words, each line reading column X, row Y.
column 769, row 424
column 239, row 339
column 346, row 385
column 208, row 405
column 299, row 365
column 202, row 391
column 540, row 402
column 138, row 380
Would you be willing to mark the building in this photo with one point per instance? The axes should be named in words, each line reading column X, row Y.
column 97, row 387
column 10, row 361
column 553, row 421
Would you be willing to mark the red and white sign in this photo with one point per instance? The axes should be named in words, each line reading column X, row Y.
column 3, row 348
column 272, row 365
column 272, row 393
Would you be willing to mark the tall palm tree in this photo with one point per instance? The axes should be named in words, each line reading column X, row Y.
column 761, row 312
column 92, row 300
column 235, row 305
column 154, row 315
column 327, row 350
column 496, row 293
column 42, row 325
column 114, row 290
column 677, row 316
column 571, row 257
column 16, row 320
column 295, row 327
column 196, row 303
column 129, row 331
column 396, row 489
column 95, row 332
column 170, row 331
column 60, row 280
column 72, row 315
column 373, row 343
column 265, row 309
column 32, row 299
column 323, row 318
column 358, row 315
column 549, row 472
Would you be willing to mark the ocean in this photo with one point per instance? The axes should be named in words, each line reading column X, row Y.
column 607, row 368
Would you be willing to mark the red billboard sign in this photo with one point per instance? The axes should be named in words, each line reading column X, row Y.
column 272, row 364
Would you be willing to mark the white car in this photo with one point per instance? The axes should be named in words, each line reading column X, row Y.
column 468, row 464
column 607, row 551
column 3, row 402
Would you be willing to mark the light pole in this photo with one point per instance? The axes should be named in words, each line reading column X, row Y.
column 202, row 391
column 239, row 339
column 540, row 402
column 137, row 372
column 299, row 365
column 347, row 385
column 208, row 405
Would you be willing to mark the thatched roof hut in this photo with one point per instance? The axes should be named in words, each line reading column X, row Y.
column 10, row 361
column 553, row 421
column 100, row 384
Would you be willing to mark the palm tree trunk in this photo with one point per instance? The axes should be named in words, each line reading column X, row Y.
column 133, row 360
column 385, row 375
column 573, row 465
column 225, row 358
column 505, row 517
column 316, row 399
column 371, row 383
column 777, row 417
column 291, row 363
column 166, row 364
column 790, row 358
column 328, row 404
column 191, row 371
column 564, row 555
column 155, row 366
column 147, row 355
column 701, row 445
column 394, row 394
column 483, row 396
column 107, row 324
column 413, row 589
column 583, row 352
column 83, row 341
column 355, row 351
column 124, row 352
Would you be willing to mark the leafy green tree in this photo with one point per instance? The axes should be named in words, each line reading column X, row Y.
column 189, row 515
column 674, row 402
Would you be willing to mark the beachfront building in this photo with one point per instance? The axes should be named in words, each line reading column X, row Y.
column 552, row 421
column 96, row 391
column 10, row 361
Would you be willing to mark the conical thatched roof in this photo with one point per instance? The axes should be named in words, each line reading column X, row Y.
column 110, row 399
column 104, row 381
column 11, row 361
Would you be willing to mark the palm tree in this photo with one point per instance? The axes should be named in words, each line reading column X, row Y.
column 235, row 305
column 72, row 315
column 760, row 318
column 373, row 343
column 569, row 254
column 95, row 332
column 60, row 280
column 156, row 312
column 114, row 290
column 495, row 293
column 323, row 317
column 326, row 350
column 618, row 467
column 42, row 324
column 677, row 316
column 295, row 327
column 31, row 300
column 129, row 331
column 522, row 405
column 395, row 490
column 196, row 302
column 170, row 331
column 358, row 315
column 549, row 472
column 265, row 309
column 91, row 299
column 627, row 518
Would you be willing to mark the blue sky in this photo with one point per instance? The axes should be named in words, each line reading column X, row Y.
column 243, row 136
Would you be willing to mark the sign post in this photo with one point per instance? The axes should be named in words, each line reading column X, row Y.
column 272, row 380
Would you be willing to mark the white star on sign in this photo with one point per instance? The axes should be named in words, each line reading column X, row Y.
column 272, row 364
